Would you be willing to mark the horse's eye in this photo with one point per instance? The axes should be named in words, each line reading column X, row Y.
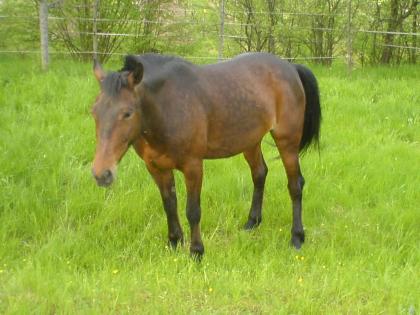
column 127, row 115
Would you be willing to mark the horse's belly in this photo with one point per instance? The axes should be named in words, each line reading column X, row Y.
column 238, row 123
column 232, row 142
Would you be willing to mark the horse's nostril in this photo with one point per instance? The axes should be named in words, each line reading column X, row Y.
column 104, row 179
column 107, row 174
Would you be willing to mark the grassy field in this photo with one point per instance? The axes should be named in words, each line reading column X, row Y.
column 69, row 247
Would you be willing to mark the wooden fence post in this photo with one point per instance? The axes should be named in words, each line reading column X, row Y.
column 43, row 28
column 349, row 38
column 95, row 30
column 222, row 29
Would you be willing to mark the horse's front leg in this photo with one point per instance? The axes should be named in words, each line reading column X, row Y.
column 193, row 173
column 166, row 183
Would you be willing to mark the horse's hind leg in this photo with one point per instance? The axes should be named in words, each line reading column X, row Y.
column 259, row 171
column 288, row 147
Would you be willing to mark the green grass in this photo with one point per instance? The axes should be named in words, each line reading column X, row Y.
column 69, row 247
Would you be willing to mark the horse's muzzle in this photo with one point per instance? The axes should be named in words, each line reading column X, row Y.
column 105, row 179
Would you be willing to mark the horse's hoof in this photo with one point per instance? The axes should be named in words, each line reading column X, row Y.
column 297, row 240
column 197, row 252
column 174, row 242
column 252, row 224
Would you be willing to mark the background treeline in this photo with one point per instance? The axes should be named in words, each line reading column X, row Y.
column 373, row 32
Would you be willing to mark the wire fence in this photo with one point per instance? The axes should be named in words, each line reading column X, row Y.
column 222, row 30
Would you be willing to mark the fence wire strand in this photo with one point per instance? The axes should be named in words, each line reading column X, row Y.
column 209, row 32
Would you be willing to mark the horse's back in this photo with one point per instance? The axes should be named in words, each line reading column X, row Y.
column 222, row 109
column 248, row 98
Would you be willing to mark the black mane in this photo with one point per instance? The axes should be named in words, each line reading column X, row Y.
column 153, row 65
column 155, row 60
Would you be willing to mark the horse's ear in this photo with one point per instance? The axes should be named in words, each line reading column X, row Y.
column 135, row 70
column 98, row 71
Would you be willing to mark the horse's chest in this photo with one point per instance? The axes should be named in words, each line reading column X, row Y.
column 153, row 157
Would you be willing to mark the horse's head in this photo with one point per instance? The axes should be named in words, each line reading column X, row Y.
column 117, row 117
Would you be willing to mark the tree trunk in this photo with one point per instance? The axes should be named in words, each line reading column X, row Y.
column 271, row 5
column 43, row 26
column 389, row 38
column 395, row 22
column 413, row 55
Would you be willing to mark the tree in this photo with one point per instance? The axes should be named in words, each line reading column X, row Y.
column 75, row 25
column 273, row 17
column 18, row 33
column 325, row 29
column 399, row 11
column 252, row 26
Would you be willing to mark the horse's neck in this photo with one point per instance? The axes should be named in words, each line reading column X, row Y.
column 152, row 128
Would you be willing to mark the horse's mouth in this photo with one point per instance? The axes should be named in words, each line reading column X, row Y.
column 104, row 183
column 105, row 179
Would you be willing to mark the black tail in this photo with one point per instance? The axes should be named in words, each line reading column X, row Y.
column 312, row 124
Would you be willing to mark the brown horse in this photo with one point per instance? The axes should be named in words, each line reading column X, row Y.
column 176, row 114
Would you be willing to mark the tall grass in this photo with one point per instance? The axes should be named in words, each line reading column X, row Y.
column 67, row 246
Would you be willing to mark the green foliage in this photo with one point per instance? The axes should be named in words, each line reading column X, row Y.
column 69, row 247
column 115, row 20
column 390, row 16
column 19, row 26
column 291, row 29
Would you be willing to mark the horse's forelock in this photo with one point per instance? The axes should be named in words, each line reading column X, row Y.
column 114, row 82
